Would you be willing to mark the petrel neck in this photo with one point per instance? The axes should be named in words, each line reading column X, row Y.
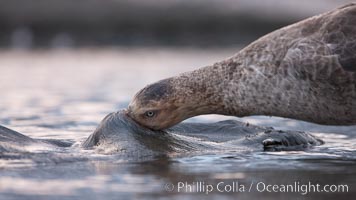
column 245, row 85
column 251, row 86
column 239, row 86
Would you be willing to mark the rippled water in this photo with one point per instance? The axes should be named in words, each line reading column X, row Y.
column 64, row 94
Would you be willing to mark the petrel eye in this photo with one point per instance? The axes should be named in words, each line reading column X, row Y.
column 150, row 113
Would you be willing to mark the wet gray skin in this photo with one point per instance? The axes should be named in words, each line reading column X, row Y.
column 16, row 146
column 12, row 141
column 119, row 135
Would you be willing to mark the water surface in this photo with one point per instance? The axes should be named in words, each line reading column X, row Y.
column 64, row 94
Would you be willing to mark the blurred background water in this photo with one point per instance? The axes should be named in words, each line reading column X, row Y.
column 68, row 23
column 65, row 64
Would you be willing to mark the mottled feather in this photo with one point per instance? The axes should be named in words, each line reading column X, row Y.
column 304, row 71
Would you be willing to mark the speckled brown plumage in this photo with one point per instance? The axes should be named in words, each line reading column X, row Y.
column 305, row 71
